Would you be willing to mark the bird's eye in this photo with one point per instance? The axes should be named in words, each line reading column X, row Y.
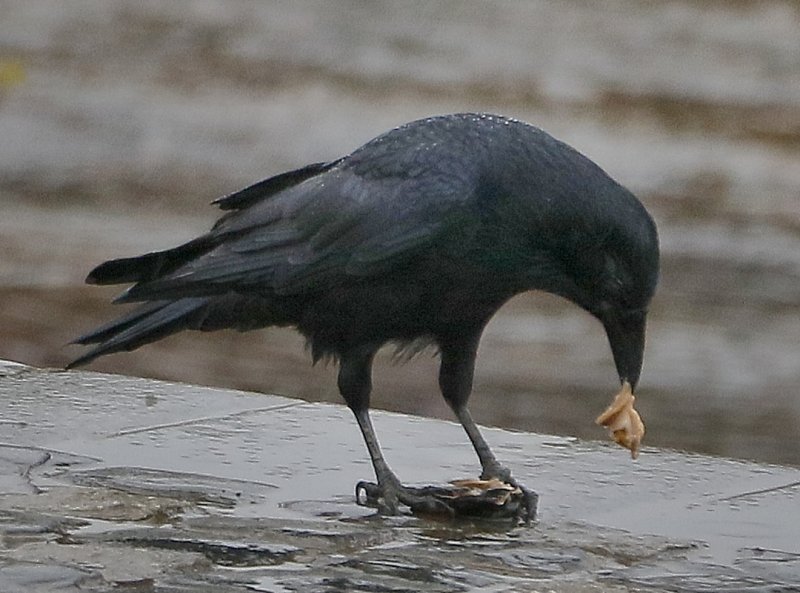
column 616, row 276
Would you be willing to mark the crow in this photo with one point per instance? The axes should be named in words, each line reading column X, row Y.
column 416, row 238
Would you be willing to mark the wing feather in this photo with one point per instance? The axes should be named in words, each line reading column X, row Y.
column 345, row 222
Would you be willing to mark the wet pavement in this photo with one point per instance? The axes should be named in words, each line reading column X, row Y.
column 111, row 483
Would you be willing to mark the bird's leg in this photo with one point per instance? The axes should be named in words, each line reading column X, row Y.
column 455, row 380
column 489, row 464
column 355, row 385
column 388, row 494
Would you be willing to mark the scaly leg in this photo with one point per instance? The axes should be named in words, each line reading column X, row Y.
column 355, row 385
column 455, row 380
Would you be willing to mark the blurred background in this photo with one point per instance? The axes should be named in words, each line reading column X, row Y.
column 120, row 122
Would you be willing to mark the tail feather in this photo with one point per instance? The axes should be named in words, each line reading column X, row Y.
column 146, row 324
column 148, row 266
column 163, row 313
column 114, row 327
column 168, row 313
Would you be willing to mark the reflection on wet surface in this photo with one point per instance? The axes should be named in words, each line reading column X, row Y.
column 695, row 107
column 98, row 504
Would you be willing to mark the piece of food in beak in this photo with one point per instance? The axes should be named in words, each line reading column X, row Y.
column 623, row 421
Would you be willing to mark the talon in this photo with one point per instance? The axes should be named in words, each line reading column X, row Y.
column 426, row 504
column 490, row 499
column 374, row 496
column 530, row 502
column 367, row 494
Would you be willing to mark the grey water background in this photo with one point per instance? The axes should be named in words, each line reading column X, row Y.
column 120, row 122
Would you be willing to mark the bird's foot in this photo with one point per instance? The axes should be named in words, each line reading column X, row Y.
column 489, row 499
column 495, row 471
column 388, row 499
column 530, row 500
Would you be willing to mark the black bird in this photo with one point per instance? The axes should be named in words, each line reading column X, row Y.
column 417, row 237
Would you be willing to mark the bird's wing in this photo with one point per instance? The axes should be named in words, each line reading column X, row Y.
column 345, row 222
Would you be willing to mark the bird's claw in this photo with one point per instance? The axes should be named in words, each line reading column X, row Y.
column 498, row 472
column 388, row 499
column 498, row 500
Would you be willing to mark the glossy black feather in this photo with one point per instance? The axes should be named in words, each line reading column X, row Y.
column 263, row 189
column 421, row 233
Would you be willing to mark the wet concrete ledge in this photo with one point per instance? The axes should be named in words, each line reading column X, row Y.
column 117, row 483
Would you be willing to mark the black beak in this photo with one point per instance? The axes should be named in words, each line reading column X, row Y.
column 626, row 336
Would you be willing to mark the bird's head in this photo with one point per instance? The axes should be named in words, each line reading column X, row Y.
column 607, row 261
column 615, row 276
column 571, row 230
